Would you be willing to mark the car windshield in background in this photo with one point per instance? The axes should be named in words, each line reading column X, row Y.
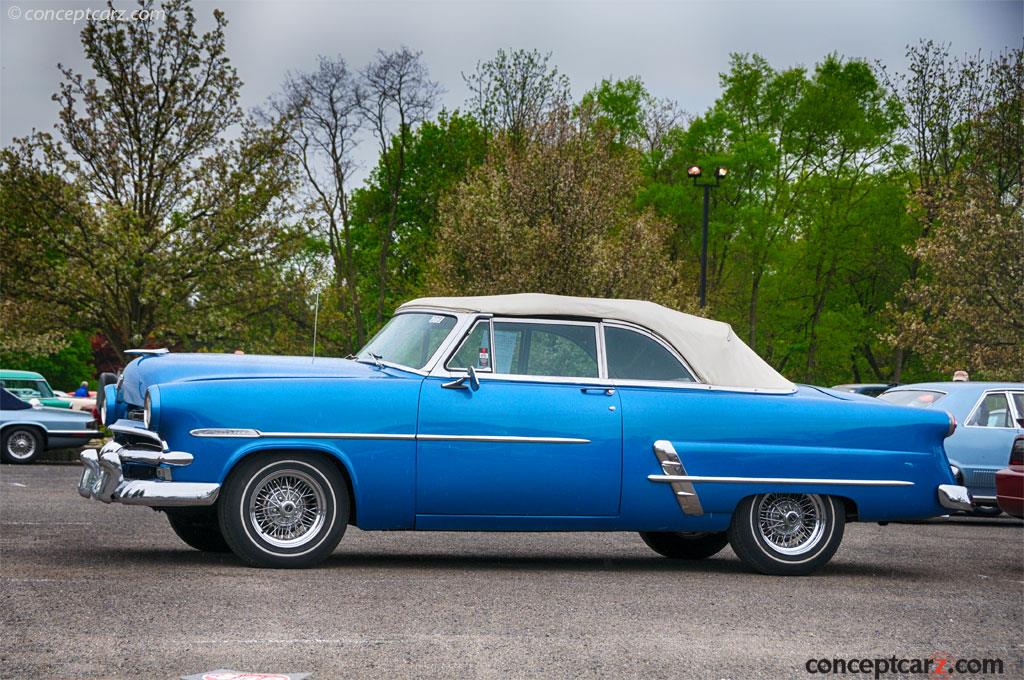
column 27, row 389
column 917, row 398
column 408, row 339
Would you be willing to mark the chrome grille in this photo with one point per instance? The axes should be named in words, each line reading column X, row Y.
column 983, row 478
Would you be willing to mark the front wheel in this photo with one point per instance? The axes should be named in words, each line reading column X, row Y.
column 679, row 545
column 284, row 509
column 787, row 534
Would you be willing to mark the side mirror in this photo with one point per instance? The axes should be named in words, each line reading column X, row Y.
column 35, row 403
column 460, row 383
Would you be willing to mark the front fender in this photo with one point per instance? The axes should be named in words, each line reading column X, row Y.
column 323, row 416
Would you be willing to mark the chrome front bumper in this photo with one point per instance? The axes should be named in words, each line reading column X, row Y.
column 955, row 497
column 103, row 479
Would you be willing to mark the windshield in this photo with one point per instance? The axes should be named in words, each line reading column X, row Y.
column 27, row 388
column 408, row 339
column 918, row 398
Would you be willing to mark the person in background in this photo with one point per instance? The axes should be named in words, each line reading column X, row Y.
column 83, row 389
column 960, row 376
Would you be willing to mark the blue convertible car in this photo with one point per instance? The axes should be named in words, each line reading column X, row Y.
column 516, row 413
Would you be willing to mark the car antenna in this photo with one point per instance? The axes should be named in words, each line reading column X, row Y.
column 316, row 318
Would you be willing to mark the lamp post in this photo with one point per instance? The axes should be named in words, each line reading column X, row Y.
column 695, row 174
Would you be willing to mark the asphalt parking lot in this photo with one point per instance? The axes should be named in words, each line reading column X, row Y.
column 108, row 591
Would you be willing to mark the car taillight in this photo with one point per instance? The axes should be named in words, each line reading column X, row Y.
column 1017, row 452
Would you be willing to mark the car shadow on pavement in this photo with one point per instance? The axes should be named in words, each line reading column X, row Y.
column 503, row 563
column 721, row 564
column 966, row 520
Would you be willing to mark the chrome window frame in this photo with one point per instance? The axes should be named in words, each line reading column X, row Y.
column 598, row 344
column 634, row 382
column 1011, row 409
column 439, row 368
column 436, row 366
column 463, row 338
column 1017, row 414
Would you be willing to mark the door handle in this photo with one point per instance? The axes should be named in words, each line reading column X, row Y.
column 608, row 391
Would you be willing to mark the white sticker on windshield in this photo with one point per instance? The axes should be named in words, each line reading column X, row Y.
column 436, row 319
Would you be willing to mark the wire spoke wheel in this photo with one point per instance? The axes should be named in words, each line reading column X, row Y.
column 21, row 445
column 288, row 508
column 792, row 524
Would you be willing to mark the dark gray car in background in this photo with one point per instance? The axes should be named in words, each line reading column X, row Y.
column 28, row 429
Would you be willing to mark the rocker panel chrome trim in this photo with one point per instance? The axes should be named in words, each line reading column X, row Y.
column 700, row 479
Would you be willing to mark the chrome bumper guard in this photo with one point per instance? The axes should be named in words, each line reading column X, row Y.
column 955, row 497
column 103, row 480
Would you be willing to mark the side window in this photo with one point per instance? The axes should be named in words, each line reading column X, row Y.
column 475, row 350
column 993, row 411
column 634, row 356
column 1018, row 401
column 551, row 349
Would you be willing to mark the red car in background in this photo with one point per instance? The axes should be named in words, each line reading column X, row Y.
column 1010, row 481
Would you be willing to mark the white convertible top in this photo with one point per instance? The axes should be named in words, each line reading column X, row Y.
column 712, row 349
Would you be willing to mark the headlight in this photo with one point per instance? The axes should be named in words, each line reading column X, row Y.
column 151, row 409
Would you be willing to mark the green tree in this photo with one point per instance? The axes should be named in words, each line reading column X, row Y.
column 515, row 91
column 440, row 153
column 964, row 308
column 811, row 199
column 557, row 216
column 64, row 369
column 395, row 95
column 155, row 222
column 323, row 119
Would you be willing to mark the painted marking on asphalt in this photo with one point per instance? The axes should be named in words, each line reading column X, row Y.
column 23, row 486
column 49, row 524
column 294, row 641
column 41, row 580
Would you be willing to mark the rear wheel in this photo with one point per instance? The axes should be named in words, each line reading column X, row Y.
column 680, row 545
column 199, row 529
column 787, row 534
column 284, row 509
column 20, row 444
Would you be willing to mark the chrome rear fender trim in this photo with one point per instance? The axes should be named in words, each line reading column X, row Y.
column 700, row 479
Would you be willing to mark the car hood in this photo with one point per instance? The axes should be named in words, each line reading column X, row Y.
column 167, row 368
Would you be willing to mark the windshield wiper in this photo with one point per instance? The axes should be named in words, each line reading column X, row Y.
column 375, row 357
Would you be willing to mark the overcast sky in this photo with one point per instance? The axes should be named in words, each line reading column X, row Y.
column 677, row 48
